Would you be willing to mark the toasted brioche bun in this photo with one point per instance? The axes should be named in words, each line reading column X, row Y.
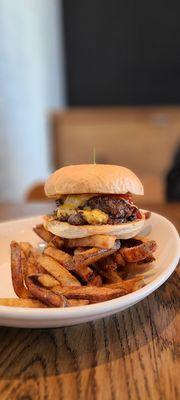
column 92, row 178
column 67, row 231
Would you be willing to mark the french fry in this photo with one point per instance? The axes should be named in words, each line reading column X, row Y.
column 18, row 263
column 31, row 266
column 107, row 263
column 95, row 281
column 33, row 303
column 102, row 241
column 63, row 258
column 26, row 248
column 111, row 275
column 147, row 260
column 78, row 250
column 91, row 293
column 57, row 271
column 47, row 280
column 93, row 255
column 118, row 259
column 136, row 268
column 138, row 253
column 48, row 236
column 48, row 297
column 77, row 302
column 68, row 262
column 130, row 284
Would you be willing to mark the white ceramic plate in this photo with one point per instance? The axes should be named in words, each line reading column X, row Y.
column 167, row 255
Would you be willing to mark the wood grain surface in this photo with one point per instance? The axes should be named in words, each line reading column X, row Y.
column 131, row 355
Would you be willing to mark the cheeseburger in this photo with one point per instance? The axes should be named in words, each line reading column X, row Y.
column 94, row 199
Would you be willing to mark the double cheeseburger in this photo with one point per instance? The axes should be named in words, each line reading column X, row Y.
column 94, row 199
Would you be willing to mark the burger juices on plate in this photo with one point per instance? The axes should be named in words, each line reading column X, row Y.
column 94, row 199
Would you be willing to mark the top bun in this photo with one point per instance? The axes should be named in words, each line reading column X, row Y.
column 92, row 178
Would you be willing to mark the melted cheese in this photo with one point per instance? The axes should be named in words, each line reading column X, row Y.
column 95, row 217
column 77, row 200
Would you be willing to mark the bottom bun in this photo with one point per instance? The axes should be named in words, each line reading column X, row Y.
column 67, row 231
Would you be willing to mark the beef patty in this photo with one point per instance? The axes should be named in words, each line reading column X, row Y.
column 118, row 210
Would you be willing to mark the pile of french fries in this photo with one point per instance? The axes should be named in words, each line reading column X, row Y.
column 75, row 272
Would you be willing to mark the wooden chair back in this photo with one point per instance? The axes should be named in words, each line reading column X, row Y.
column 143, row 139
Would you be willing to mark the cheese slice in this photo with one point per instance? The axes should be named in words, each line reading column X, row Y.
column 77, row 200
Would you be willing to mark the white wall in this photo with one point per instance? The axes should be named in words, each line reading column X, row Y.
column 31, row 83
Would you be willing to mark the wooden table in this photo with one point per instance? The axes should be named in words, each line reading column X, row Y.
column 131, row 355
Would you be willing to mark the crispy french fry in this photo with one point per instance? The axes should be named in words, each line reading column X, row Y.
column 47, row 280
column 111, row 275
column 63, row 258
column 147, row 260
column 21, row 303
column 130, row 284
column 57, row 271
column 136, row 268
column 31, row 266
column 78, row 250
column 102, row 241
column 93, row 255
column 48, row 236
column 18, row 262
column 77, row 302
column 91, row 293
column 138, row 253
column 95, row 281
column 48, row 297
column 68, row 262
column 26, row 248
column 118, row 259
column 107, row 263
column 30, row 252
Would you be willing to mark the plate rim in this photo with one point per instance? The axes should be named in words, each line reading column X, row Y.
column 112, row 306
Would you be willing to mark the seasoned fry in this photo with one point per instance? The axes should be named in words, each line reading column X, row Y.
column 138, row 253
column 147, row 260
column 107, row 263
column 18, row 262
column 111, row 275
column 93, row 255
column 21, row 303
column 31, row 266
column 139, row 267
column 91, row 293
column 57, row 271
column 102, row 241
column 48, row 236
column 95, row 281
column 47, row 280
column 26, row 248
column 77, row 302
column 68, row 262
column 78, row 250
column 118, row 259
column 63, row 258
column 130, row 285
column 48, row 297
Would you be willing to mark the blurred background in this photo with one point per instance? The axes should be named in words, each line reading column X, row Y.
column 75, row 75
